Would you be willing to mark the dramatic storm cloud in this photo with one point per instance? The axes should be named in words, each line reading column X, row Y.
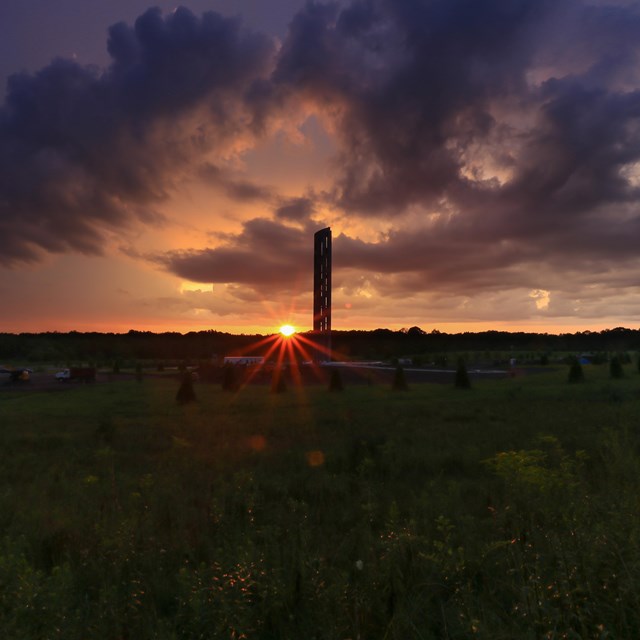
column 469, row 148
column 461, row 112
column 83, row 152
column 462, row 106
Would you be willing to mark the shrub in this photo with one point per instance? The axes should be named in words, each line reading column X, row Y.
column 615, row 368
column 335, row 381
column 575, row 372
column 399, row 381
column 229, row 381
column 185, row 392
column 462, row 380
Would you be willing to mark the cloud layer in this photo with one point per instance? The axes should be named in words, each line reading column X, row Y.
column 84, row 152
column 497, row 144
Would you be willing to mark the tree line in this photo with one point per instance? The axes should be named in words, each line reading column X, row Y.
column 376, row 344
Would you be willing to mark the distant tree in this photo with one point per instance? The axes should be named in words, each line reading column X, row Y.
column 615, row 368
column 229, row 381
column 576, row 374
column 335, row 381
column 185, row 392
column 462, row 380
column 399, row 381
column 278, row 384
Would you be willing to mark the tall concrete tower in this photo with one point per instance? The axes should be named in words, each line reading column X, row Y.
column 322, row 291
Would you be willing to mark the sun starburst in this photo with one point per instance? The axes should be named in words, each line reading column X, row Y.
column 287, row 330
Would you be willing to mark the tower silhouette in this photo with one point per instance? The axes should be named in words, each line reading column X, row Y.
column 322, row 292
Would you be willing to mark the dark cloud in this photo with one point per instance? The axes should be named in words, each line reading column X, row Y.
column 297, row 209
column 266, row 255
column 164, row 65
column 517, row 169
column 83, row 152
column 271, row 256
column 520, row 118
column 412, row 82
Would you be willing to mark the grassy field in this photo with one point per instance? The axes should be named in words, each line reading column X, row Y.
column 510, row 510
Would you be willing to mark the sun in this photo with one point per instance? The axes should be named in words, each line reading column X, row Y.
column 287, row 330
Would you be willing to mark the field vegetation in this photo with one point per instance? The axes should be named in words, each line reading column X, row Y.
column 508, row 510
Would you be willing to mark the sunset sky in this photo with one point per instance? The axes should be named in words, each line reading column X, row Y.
column 165, row 168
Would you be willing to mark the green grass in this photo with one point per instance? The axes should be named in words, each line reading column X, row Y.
column 506, row 511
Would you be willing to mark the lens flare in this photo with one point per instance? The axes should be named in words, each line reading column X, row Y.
column 287, row 330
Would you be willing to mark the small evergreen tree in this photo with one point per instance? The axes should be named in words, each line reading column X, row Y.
column 229, row 382
column 185, row 392
column 462, row 380
column 399, row 381
column 576, row 374
column 335, row 381
column 615, row 368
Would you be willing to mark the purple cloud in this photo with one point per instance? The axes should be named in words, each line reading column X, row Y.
column 83, row 152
